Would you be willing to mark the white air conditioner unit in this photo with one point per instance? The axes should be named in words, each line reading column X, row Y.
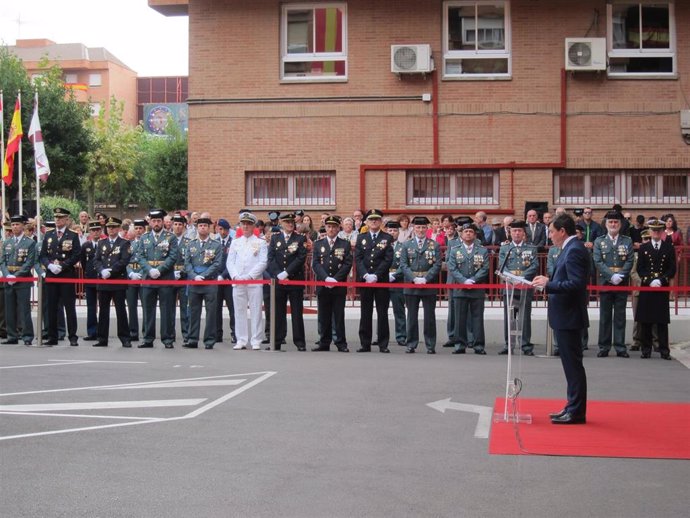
column 411, row 59
column 585, row 54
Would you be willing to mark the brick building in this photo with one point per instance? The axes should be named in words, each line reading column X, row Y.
column 296, row 105
column 93, row 73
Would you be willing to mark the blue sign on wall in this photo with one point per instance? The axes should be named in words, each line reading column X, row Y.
column 156, row 116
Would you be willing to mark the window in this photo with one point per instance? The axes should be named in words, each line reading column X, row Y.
column 95, row 109
column 314, row 42
column 658, row 187
column 448, row 187
column 302, row 188
column 476, row 39
column 641, row 38
column 70, row 79
column 94, row 79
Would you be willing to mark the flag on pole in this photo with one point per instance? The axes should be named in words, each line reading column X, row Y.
column 13, row 143
column 36, row 138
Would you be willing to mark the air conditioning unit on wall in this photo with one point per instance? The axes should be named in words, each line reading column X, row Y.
column 585, row 54
column 411, row 59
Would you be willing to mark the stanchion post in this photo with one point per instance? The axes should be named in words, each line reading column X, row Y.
column 272, row 315
column 39, row 310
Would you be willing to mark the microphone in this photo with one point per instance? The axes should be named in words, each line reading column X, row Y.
column 505, row 260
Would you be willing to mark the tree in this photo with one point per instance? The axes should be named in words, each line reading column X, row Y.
column 165, row 167
column 112, row 163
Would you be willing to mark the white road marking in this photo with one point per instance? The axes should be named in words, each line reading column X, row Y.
column 182, row 384
column 60, row 363
column 50, row 414
column 47, row 407
column 484, row 413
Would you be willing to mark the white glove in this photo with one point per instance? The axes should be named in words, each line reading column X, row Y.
column 330, row 279
column 616, row 279
column 419, row 280
column 154, row 273
column 220, row 278
column 282, row 276
column 178, row 274
column 199, row 278
column 105, row 272
column 656, row 283
column 55, row 268
column 391, row 277
column 43, row 275
column 469, row 281
column 370, row 278
column 10, row 276
column 135, row 276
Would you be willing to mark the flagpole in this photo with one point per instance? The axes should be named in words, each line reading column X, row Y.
column 38, row 185
column 21, row 197
column 2, row 153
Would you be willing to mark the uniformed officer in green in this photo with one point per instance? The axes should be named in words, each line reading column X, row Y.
column 112, row 257
column 156, row 255
column 613, row 258
column 468, row 264
column 88, row 255
column 420, row 262
column 203, row 262
column 17, row 260
column 452, row 240
column 181, row 291
column 134, row 273
column 396, row 294
column 519, row 258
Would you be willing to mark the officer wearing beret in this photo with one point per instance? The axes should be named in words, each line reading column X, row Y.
column 519, row 258
column 613, row 258
column 133, row 293
column 180, row 291
column 156, row 255
column 395, row 274
column 656, row 266
column 112, row 257
column 60, row 253
column 373, row 259
column 331, row 262
column 88, row 256
column 468, row 264
column 203, row 262
column 224, row 295
column 287, row 254
column 420, row 262
column 17, row 260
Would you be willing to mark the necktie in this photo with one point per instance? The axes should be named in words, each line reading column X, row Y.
column 656, row 246
column 330, row 243
column 374, row 236
column 420, row 243
column 59, row 234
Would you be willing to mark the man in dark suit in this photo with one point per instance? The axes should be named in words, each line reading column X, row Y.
column 112, row 257
column 373, row 259
column 502, row 234
column 567, row 314
column 60, row 252
column 656, row 266
column 535, row 230
column 88, row 256
column 332, row 261
column 287, row 254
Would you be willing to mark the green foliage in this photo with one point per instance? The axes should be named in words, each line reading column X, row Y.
column 48, row 203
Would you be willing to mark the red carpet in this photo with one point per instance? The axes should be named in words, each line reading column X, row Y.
column 613, row 429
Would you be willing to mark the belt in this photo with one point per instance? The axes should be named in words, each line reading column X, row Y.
column 421, row 274
column 616, row 268
column 14, row 268
column 155, row 263
column 393, row 270
column 515, row 272
column 178, row 267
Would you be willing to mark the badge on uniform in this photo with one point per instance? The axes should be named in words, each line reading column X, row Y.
column 323, row 249
column 116, row 250
column 622, row 251
column 66, row 246
column 364, row 242
column 278, row 244
column 292, row 248
column 339, row 253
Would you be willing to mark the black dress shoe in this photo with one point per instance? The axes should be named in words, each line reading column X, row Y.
column 9, row 342
column 384, row 350
column 90, row 338
column 559, row 414
column 602, row 354
column 479, row 351
column 527, row 353
column 265, row 342
column 74, row 343
column 458, row 351
column 208, row 346
column 54, row 342
column 430, row 351
column 191, row 345
column 145, row 345
column 169, row 346
column 402, row 344
column 233, row 339
column 28, row 342
column 569, row 418
column 127, row 344
column 646, row 356
column 409, row 350
column 623, row 355
column 100, row 344
column 634, row 347
column 375, row 342
column 503, row 351
column 343, row 349
column 449, row 344
column 666, row 357
column 301, row 348
column 321, row 348
column 364, row 349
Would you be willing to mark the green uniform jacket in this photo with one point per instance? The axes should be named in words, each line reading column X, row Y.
column 463, row 266
column 609, row 259
column 421, row 263
column 157, row 252
column 18, row 258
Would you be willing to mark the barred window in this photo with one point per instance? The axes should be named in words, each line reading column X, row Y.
column 452, row 187
column 303, row 188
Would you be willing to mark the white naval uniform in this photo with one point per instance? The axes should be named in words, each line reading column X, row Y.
column 247, row 259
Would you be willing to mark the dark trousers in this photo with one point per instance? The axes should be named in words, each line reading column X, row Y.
column 369, row 296
column 612, row 303
column 91, row 293
column 570, row 351
column 181, row 299
column 224, row 297
column 296, row 298
column 398, row 303
column 56, row 293
column 429, row 306
column 208, row 296
column 133, row 296
column 104, row 299
column 331, row 303
column 150, row 298
column 3, row 320
column 469, row 313
column 647, row 337
column 17, row 300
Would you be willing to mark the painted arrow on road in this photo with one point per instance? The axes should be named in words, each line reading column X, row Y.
column 485, row 413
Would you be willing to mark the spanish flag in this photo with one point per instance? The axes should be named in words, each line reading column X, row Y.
column 13, row 143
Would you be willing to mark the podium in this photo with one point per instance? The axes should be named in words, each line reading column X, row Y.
column 515, row 308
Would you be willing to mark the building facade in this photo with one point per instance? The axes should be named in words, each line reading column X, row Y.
column 314, row 105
